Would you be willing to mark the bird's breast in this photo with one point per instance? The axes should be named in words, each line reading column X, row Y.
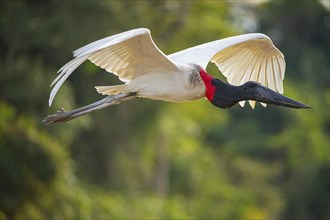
column 172, row 87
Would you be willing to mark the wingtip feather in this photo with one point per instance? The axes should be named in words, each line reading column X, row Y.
column 252, row 103
column 242, row 103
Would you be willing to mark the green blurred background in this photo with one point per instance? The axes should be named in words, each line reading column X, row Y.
column 151, row 159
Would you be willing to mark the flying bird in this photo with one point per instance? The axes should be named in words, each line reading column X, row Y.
column 253, row 66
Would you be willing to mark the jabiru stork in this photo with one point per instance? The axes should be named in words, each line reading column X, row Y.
column 253, row 66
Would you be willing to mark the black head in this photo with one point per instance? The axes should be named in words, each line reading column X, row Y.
column 226, row 95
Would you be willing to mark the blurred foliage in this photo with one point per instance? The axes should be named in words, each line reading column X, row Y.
column 149, row 159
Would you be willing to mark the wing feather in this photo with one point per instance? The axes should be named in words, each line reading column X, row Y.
column 248, row 72
column 128, row 55
column 237, row 76
column 278, row 80
column 251, row 60
column 262, row 77
column 270, row 77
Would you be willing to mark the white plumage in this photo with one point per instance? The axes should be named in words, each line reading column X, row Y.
column 133, row 56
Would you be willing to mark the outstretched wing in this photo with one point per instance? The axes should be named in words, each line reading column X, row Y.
column 128, row 55
column 248, row 57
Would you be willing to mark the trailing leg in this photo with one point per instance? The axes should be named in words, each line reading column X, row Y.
column 62, row 115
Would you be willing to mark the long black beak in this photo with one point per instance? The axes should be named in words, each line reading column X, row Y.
column 266, row 95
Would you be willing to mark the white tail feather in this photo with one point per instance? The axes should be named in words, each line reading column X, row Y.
column 109, row 90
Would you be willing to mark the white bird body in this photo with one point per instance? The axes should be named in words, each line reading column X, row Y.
column 167, row 86
column 181, row 76
column 137, row 61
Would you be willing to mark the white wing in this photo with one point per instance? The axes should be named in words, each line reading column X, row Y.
column 128, row 55
column 248, row 57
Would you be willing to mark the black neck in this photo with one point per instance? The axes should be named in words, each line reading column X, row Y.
column 226, row 95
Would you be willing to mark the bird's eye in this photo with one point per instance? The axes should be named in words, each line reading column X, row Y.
column 250, row 85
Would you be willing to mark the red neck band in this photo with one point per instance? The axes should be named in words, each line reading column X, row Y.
column 210, row 88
